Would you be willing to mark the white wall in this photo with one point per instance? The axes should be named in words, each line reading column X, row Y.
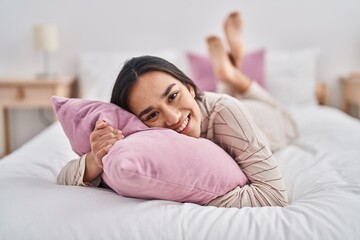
column 118, row 25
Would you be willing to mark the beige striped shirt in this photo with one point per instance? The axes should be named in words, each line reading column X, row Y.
column 228, row 122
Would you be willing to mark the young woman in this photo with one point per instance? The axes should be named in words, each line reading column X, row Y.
column 160, row 95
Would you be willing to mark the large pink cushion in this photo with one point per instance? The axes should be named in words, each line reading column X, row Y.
column 151, row 163
column 78, row 118
column 202, row 74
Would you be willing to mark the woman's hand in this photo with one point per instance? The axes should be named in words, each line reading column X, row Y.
column 101, row 140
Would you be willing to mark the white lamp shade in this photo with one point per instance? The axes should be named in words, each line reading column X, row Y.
column 45, row 37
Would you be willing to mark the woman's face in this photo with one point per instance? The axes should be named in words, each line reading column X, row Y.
column 160, row 100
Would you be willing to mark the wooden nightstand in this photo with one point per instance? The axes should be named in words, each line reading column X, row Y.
column 30, row 93
column 351, row 93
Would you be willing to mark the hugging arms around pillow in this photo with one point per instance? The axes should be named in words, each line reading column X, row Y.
column 166, row 165
column 215, row 109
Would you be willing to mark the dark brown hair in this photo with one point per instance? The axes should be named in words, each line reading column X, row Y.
column 137, row 66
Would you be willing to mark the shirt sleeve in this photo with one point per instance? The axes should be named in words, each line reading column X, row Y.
column 235, row 131
column 73, row 174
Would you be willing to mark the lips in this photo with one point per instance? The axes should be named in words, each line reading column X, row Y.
column 183, row 125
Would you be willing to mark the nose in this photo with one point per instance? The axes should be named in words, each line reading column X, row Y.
column 172, row 116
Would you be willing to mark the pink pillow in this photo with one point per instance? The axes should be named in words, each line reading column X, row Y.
column 151, row 163
column 202, row 74
column 78, row 118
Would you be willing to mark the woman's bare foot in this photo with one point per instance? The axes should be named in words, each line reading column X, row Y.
column 233, row 30
column 224, row 70
column 222, row 66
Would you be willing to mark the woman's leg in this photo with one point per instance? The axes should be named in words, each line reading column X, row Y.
column 227, row 66
column 271, row 117
column 233, row 27
column 224, row 69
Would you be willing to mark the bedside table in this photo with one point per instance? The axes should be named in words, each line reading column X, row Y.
column 351, row 93
column 28, row 93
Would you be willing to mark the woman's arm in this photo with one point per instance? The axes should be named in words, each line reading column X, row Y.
column 235, row 130
column 92, row 168
column 74, row 174
column 87, row 170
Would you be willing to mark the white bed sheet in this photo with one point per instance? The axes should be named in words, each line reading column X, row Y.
column 321, row 171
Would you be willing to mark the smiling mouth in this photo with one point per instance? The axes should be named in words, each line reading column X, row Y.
column 183, row 125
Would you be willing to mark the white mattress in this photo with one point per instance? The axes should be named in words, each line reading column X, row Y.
column 321, row 171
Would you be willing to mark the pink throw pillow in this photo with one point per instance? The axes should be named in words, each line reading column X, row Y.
column 151, row 163
column 202, row 73
column 78, row 118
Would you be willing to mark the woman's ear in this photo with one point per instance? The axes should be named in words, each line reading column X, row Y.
column 191, row 90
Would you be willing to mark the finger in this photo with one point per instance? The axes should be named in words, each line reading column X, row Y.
column 108, row 131
column 119, row 134
column 98, row 132
column 108, row 136
column 106, row 143
column 100, row 124
column 118, row 131
column 97, row 141
column 100, row 145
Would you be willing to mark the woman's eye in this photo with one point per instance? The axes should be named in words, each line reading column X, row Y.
column 172, row 96
column 151, row 116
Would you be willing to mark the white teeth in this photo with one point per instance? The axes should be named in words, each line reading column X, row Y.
column 184, row 124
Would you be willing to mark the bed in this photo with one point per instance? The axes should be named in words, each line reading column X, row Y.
column 321, row 171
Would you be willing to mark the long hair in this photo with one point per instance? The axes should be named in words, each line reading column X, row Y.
column 137, row 66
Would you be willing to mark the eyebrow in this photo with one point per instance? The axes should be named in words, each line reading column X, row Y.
column 167, row 90
column 163, row 95
column 147, row 110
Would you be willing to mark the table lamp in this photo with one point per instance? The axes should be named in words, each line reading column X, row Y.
column 46, row 41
